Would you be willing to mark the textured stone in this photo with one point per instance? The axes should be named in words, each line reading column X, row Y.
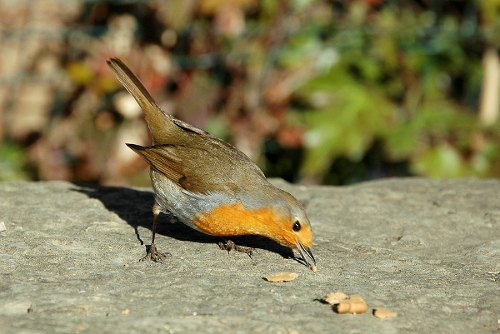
column 426, row 249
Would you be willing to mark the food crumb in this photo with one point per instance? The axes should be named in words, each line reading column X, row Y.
column 126, row 311
column 383, row 313
column 351, row 306
column 343, row 303
column 335, row 297
column 281, row 277
column 84, row 307
column 355, row 298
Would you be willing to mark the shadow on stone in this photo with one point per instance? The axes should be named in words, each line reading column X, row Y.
column 135, row 207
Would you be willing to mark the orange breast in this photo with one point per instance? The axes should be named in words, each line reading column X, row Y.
column 234, row 219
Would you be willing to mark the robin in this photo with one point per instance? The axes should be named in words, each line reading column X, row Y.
column 209, row 185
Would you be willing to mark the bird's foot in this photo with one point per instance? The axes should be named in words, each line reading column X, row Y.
column 230, row 245
column 154, row 255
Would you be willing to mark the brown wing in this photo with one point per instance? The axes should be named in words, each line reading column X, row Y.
column 164, row 160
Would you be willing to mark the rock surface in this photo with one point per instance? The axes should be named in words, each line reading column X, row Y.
column 426, row 249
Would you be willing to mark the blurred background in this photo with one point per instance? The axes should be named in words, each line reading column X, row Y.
column 316, row 92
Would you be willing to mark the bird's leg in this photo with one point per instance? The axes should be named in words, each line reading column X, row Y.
column 153, row 253
column 230, row 245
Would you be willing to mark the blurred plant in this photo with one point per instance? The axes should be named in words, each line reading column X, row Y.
column 12, row 163
column 404, row 78
column 315, row 91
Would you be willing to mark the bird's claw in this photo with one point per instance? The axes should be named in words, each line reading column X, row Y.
column 230, row 245
column 154, row 255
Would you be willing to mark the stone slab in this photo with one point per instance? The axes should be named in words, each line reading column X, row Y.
column 426, row 249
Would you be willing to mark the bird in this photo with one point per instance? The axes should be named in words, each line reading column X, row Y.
column 209, row 185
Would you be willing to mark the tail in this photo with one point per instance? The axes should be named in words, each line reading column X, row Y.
column 158, row 121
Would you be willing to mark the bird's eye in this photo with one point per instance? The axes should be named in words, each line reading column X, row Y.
column 296, row 226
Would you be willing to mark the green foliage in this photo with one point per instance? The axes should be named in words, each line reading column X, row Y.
column 322, row 91
column 12, row 162
column 404, row 77
column 348, row 117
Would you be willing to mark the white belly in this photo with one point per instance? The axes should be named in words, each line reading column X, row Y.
column 183, row 204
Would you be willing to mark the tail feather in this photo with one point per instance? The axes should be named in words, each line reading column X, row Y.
column 158, row 121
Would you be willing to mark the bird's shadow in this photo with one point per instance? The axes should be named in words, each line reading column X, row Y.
column 135, row 207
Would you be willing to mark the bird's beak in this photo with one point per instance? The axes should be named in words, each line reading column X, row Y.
column 307, row 255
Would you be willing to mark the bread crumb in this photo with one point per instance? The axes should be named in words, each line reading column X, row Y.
column 383, row 313
column 335, row 297
column 343, row 303
column 348, row 306
column 281, row 277
column 84, row 307
column 355, row 298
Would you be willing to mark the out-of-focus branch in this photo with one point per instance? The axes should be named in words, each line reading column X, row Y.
column 490, row 96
